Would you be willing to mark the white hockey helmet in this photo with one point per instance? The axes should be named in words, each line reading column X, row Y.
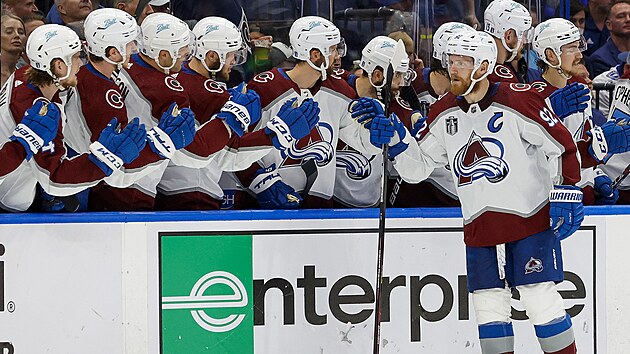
column 50, row 42
column 478, row 45
column 501, row 16
column 221, row 36
column 106, row 28
column 553, row 34
column 162, row 31
column 442, row 36
column 379, row 52
column 312, row 32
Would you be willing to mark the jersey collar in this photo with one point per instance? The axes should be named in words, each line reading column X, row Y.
column 483, row 104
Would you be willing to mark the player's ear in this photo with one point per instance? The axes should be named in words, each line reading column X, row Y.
column 483, row 68
column 58, row 67
column 377, row 75
column 551, row 56
column 113, row 54
column 211, row 58
column 316, row 55
column 510, row 37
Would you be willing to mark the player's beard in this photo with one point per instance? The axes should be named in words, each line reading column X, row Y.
column 224, row 74
column 70, row 82
column 573, row 71
column 459, row 85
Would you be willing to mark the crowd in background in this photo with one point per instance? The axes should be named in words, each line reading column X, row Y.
column 266, row 23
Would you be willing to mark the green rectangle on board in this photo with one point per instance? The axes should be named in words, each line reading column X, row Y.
column 206, row 294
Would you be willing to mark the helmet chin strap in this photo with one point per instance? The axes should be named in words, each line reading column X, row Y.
column 166, row 70
column 57, row 80
column 473, row 82
column 213, row 72
column 513, row 51
column 379, row 88
column 322, row 69
column 559, row 66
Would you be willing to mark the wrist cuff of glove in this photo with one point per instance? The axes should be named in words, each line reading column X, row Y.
column 161, row 143
column 282, row 131
column 28, row 138
column 105, row 159
column 263, row 181
column 239, row 111
column 560, row 195
column 599, row 147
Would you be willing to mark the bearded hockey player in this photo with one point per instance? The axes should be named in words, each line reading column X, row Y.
column 110, row 35
column 54, row 52
column 501, row 140
column 508, row 22
column 358, row 179
column 222, row 142
column 280, row 177
column 559, row 45
column 151, row 94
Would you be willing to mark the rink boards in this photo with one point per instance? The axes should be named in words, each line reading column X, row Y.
column 277, row 282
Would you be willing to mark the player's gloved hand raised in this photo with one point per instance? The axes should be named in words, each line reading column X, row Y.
column 271, row 192
column 418, row 124
column 566, row 210
column 381, row 131
column 604, row 193
column 400, row 141
column 242, row 110
column 365, row 109
column 570, row 99
column 292, row 122
column 175, row 131
column 38, row 127
column 113, row 149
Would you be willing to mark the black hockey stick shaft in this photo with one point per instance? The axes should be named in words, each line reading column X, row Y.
column 386, row 97
column 621, row 177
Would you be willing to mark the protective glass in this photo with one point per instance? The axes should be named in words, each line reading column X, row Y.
column 457, row 61
column 240, row 56
column 184, row 53
column 341, row 48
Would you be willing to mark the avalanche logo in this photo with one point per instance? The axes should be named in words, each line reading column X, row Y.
column 533, row 265
column 502, row 71
column 114, row 99
column 173, row 84
column 213, row 86
column 264, row 78
column 357, row 166
column 481, row 157
column 314, row 146
column 404, row 104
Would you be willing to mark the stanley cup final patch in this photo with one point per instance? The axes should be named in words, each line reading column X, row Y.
column 451, row 125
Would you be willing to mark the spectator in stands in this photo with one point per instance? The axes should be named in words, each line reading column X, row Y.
column 131, row 7
column 618, row 23
column 68, row 11
column 20, row 8
column 577, row 13
column 13, row 41
column 31, row 22
column 595, row 30
column 160, row 6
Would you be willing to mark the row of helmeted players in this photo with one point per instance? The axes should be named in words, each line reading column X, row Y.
column 514, row 152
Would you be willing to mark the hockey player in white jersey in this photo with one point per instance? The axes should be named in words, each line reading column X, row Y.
column 54, row 52
column 559, row 46
column 358, row 179
column 315, row 42
column 515, row 166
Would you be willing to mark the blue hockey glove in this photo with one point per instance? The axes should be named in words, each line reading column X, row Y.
column 604, row 193
column 381, row 131
column 292, row 122
column 401, row 137
column 566, row 210
column 38, row 127
column 113, row 149
column 570, row 99
column 242, row 110
column 617, row 133
column 271, row 192
column 175, row 131
column 364, row 109
column 418, row 124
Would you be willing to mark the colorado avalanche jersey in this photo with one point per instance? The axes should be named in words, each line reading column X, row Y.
column 57, row 174
column 503, row 73
column 84, row 126
column 187, row 187
column 333, row 96
column 506, row 153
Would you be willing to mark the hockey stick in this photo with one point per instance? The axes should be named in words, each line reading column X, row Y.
column 386, row 96
column 621, row 177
